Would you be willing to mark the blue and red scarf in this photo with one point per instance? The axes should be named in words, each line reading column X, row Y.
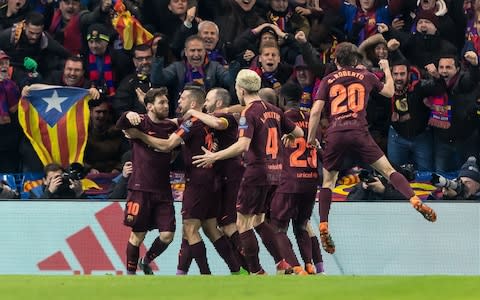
column 105, row 75
column 196, row 75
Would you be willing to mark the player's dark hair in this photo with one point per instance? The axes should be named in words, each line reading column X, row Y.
column 291, row 92
column 196, row 93
column 222, row 94
column 347, row 55
column 154, row 93
column 35, row 19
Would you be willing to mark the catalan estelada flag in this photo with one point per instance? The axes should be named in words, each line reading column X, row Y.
column 129, row 28
column 55, row 120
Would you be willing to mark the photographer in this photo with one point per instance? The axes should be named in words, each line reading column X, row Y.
column 59, row 184
column 374, row 186
column 467, row 185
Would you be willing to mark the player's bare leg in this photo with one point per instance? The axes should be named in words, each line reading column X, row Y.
column 133, row 251
column 400, row 183
column 324, row 203
column 195, row 242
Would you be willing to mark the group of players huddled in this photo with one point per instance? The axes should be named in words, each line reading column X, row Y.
column 251, row 168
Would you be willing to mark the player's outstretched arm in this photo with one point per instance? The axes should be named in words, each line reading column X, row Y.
column 209, row 120
column 315, row 114
column 163, row 145
column 207, row 159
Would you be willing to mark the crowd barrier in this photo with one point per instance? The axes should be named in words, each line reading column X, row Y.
column 372, row 238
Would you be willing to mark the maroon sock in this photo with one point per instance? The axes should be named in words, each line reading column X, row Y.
column 237, row 247
column 304, row 244
column 316, row 254
column 287, row 250
column 324, row 202
column 155, row 250
column 133, row 252
column 184, row 257
column 250, row 250
column 199, row 252
column 269, row 239
column 400, row 183
column 226, row 252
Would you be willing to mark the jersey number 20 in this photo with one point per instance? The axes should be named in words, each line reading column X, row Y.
column 355, row 93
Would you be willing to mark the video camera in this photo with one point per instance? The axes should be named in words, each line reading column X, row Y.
column 406, row 170
column 442, row 182
column 75, row 171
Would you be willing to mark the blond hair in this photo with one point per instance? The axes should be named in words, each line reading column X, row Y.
column 249, row 80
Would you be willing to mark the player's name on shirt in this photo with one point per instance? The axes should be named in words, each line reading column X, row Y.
column 346, row 73
column 302, row 124
column 270, row 115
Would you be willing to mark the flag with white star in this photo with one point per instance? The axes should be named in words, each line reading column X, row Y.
column 55, row 120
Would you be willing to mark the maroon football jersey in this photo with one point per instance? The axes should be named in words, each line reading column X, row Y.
column 230, row 168
column 346, row 93
column 151, row 168
column 264, row 124
column 299, row 174
column 195, row 135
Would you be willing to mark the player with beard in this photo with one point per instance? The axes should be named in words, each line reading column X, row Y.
column 200, row 198
column 229, row 172
column 346, row 92
column 260, row 126
column 149, row 200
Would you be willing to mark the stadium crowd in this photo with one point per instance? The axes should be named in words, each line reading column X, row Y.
column 431, row 120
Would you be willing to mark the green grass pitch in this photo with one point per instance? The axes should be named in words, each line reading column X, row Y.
column 240, row 287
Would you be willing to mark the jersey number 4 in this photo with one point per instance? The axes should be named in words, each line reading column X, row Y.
column 295, row 160
column 355, row 93
column 272, row 143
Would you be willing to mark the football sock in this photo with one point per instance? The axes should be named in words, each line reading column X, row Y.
column 287, row 250
column 184, row 257
column 304, row 243
column 316, row 254
column 400, row 183
column 324, row 202
column 269, row 239
column 250, row 250
column 237, row 248
column 155, row 250
column 199, row 252
column 226, row 252
column 133, row 253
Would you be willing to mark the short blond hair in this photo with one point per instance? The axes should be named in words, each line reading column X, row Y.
column 249, row 80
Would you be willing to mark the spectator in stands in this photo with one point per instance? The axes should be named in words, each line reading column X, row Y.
column 454, row 112
column 469, row 176
column 7, row 192
column 9, row 127
column 12, row 12
column 410, row 140
column 28, row 39
column 126, row 98
column 73, row 75
column 303, row 75
column 284, row 15
column 196, row 68
column 67, row 22
column 57, row 185
column 105, row 144
column 106, row 66
column 120, row 183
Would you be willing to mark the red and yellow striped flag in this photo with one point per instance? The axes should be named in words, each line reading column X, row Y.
column 129, row 28
column 55, row 120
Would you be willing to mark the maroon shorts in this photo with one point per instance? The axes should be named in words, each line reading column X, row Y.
column 253, row 199
column 357, row 144
column 296, row 207
column 146, row 211
column 199, row 202
column 227, row 212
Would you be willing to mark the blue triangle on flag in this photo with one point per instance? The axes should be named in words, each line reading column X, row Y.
column 53, row 103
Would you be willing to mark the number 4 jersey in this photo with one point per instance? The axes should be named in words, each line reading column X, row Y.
column 299, row 174
column 346, row 93
column 264, row 124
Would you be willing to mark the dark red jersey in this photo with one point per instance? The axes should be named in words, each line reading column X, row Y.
column 151, row 168
column 264, row 124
